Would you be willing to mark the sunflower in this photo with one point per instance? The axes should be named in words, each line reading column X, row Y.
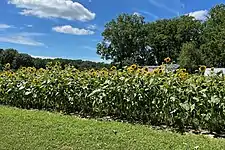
column 139, row 71
column 130, row 69
column 33, row 69
column 104, row 73
column 7, row 66
column 41, row 70
column 113, row 68
column 94, row 73
column 183, row 76
column 161, row 67
column 92, row 70
column 202, row 68
column 104, row 69
column 134, row 66
column 148, row 74
column 160, row 71
column 183, row 70
column 156, row 71
column 167, row 60
column 23, row 68
column 145, row 69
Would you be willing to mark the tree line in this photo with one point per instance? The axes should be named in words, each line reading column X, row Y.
column 128, row 39
column 17, row 60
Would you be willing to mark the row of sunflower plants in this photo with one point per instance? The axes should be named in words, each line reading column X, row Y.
column 160, row 97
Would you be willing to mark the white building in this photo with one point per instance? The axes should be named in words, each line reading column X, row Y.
column 209, row 71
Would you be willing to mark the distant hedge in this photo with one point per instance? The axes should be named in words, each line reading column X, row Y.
column 17, row 60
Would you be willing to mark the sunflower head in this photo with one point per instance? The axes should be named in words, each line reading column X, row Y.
column 161, row 67
column 94, row 73
column 156, row 71
column 167, row 60
column 104, row 69
column 148, row 74
column 113, row 68
column 104, row 73
column 130, row 69
column 41, row 70
column 139, row 71
column 23, row 68
column 92, row 70
column 134, row 66
column 160, row 71
column 7, row 66
column 145, row 69
column 202, row 68
column 33, row 69
column 183, row 70
column 183, row 75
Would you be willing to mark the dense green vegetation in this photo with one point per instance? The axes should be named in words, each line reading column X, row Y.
column 31, row 130
column 160, row 98
column 17, row 60
column 129, row 39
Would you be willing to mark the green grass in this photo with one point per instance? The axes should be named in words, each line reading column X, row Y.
column 30, row 130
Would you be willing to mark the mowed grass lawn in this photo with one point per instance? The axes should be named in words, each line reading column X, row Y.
column 30, row 130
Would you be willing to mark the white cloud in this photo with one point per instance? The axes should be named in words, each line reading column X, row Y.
column 43, row 57
column 31, row 34
column 95, row 59
column 67, row 29
column 65, row 9
column 5, row 26
column 199, row 15
column 22, row 38
column 29, row 25
column 92, row 27
column 137, row 13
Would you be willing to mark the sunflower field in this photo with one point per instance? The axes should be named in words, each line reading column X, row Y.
column 179, row 100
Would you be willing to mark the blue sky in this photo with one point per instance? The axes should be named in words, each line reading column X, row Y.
column 72, row 28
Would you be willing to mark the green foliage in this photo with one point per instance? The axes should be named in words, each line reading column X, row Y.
column 22, row 60
column 7, row 56
column 190, row 57
column 213, row 47
column 17, row 60
column 128, row 39
column 167, row 36
column 178, row 100
column 124, row 38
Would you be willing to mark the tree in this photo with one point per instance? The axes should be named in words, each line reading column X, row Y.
column 213, row 47
column 124, row 38
column 8, row 56
column 166, row 37
column 22, row 60
column 190, row 57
